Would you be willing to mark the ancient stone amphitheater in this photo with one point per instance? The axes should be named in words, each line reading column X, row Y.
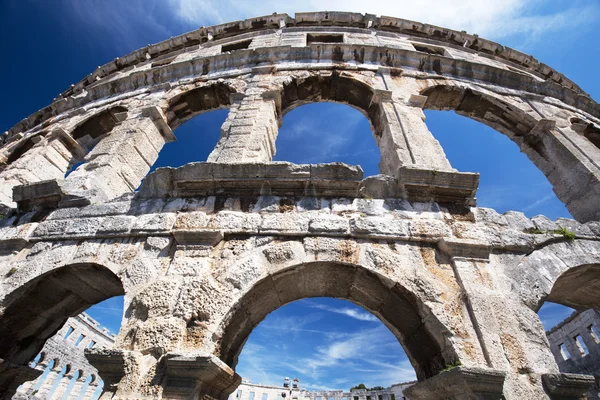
column 204, row 252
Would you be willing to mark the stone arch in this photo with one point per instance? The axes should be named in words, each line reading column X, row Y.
column 422, row 335
column 90, row 131
column 335, row 86
column 537, row 137
column 564, row 272
column 38, row 308
column 185, row 106
column 578, row 287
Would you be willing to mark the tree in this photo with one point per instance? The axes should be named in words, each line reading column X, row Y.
column 359, row 386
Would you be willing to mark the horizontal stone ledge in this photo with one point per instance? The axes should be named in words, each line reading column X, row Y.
column 460, row 383
column 314, row 180
column 49, row 194
column 567, row 386
column 422, row 184
column 191, row 376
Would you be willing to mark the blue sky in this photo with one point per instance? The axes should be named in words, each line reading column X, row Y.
column 49, row 44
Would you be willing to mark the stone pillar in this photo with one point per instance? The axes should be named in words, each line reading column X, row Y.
column 190, row 376
column 79, row 384
column 249, row 133
column 62, row 387
column 44, row 390
column 91, row 389
column 510, row 335
column 48, row 157
column 121, row 160
column 407, row 142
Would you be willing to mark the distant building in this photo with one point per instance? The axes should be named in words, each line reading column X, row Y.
column 291, row 390
column 575, row 343
column 66, row 373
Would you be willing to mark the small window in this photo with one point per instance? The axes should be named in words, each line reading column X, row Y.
column 564, row 352
column 235, row 46
column 594, row 333
column 92, row 344
column 429, row 49
column 379, row 397
column 581, row 345
column 355, row 397
column 238, row 394
column 265, row 396
column 324, row 38
column 251, row 396
column 368, row 397
column 79, row 339
column 68, row 333
column 393, row 396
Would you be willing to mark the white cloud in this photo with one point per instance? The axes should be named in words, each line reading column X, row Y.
column 352, row 313
column 491, row 18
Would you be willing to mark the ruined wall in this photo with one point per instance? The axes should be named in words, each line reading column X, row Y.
column 62, row 360
column 577, row 357
column 202, row 253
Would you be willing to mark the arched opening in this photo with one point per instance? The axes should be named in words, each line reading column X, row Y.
column 421, row 335
column 327, row 344
column 516, row 169
column 196, row 118
column 340, row 122
column 327, row 132
column 571, row 317
column 38, row 309
column 587, row 129
column 65, row 345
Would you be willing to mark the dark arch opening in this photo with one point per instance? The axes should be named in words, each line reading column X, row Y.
column 187, row 105
column 89, row 132
column 422, row 336
column 38, row 309
column 587, row 129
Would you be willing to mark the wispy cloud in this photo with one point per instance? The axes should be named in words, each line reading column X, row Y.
column 492, row 18
column 350, row 312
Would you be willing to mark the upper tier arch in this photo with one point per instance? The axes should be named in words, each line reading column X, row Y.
column 260, row 68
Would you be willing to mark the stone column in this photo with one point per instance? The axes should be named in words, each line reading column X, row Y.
column 197, row 376
column 250, row 131
column 44, row 390
column 79, row 384
column 407, row 141
column 120, row 161
column 48, row 157
column 91, row 389
column 511, row 336
column 62, row 387
column 411, row 153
